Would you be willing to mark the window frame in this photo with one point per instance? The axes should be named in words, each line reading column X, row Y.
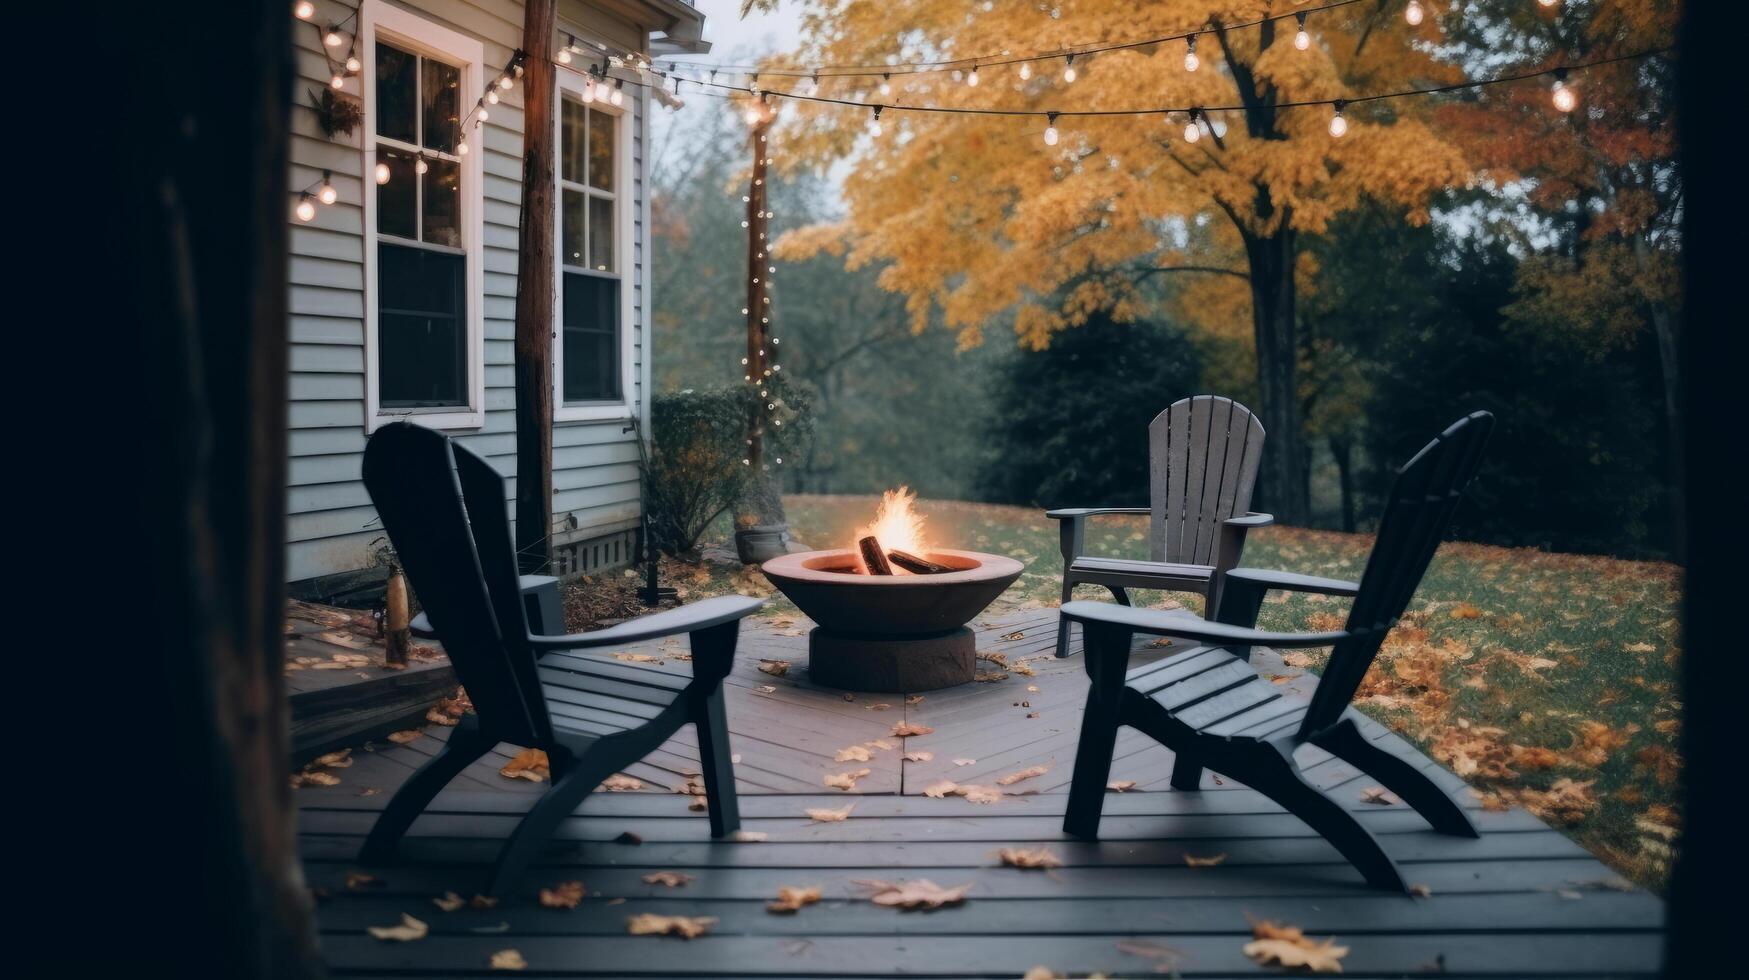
column 405, row 29
column 573, row 83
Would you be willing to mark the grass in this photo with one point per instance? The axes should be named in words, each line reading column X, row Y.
column 1547, row 680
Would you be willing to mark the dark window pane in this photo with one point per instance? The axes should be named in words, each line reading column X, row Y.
column 441, row 99
column 571, row 228
column 601, row 150
column 397, row 199
column 571, row 140
column 591, row 323
column 421, row 328
column 443, row 202
column 601, row 234
column 396, row 100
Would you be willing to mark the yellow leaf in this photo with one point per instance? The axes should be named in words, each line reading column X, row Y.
column 409, row 930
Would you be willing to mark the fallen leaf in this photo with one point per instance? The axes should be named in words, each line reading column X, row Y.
column 637, row 658
column 1121, row 785
column 855, row 753
column 940, row 789
column 317, row 778
column 438, row 716
column 1420, row 891
column 333, row 760
column 880, row 706
column 402, row 738
column 791, row 898
column 980, row 794
column 1287, row 946
column 823, row 815
column 621, row 783
column 1027, row 773
column 1378, row 795
column 564, row 895
column 449, row 901
column 409, row 930
column 904, row 729
column 1464, row 610
column 684, row 926
column 483, row 902
column 919, row 756
column 529, row 764
column 766, row 689
column 508, row 959
column 667, row 879
column 914, row 699
column 1204, row 862
column 359, row 881
column 965, row 762
column 1029, row 857
column 919, row 893
column 845, row 780
column 749, row 836
column 989, row 676
column 776, row 668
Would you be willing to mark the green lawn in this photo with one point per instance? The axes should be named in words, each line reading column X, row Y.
column 1544, row 679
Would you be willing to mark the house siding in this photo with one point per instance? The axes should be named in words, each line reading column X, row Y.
column 330, row 523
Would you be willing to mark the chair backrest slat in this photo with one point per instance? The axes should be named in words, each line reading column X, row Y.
column 1417, row 513
column 1204, row 453
column 430, row 510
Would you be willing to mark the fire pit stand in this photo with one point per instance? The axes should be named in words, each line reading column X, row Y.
column 891, row 633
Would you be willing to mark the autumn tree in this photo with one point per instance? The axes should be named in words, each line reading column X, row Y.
column 977, row 217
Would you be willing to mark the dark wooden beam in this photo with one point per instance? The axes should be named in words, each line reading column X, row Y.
column 534, row 294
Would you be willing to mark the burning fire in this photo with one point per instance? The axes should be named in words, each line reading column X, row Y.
column 896, row 525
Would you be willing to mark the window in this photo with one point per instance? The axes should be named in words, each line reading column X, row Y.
column 591, row 352
column 422, row 246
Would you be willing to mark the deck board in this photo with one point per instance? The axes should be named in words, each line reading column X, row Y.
column 1523, row 900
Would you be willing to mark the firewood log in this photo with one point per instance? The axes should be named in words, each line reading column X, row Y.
column 874, row 557
column 915, row 565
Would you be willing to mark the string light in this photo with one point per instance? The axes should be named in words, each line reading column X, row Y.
column 1338, row 125
column 564, row 55
column 382, row 173
column 1191, row 61
column 1565, row 99
column 1069, row 69
column 1025, row 70
column 886, row 84
column 327, row 194
column 461, row 147
column 972, row 79
column 481, row 114
column 492, row 97
column 505, row 81
column 1192, row 131
column 874, row 124
column 1414, row 13
column 353, row 65
column 332, row 38
column 617, row 96
column 1050, row 129
column 1302, row 40
column 337, row 82
column 303, row 10
column 306, row 209
column 420, row 165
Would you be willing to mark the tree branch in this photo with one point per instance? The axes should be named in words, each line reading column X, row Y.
column 1212, row 269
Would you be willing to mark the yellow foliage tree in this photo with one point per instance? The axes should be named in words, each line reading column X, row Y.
column 976, row 216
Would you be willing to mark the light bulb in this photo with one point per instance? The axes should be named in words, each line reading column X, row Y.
column 337, row 82
column 1302, row 40
column 492, row 97
column 1050, row 136
column 886, row 85
column 616, row 97
column 1192, row 132
column 483, row 114
column 461, row 148
column 1338, row 124
column 303, row 10
column 972, row 79
column 564, row 56
column 752, row 117
column 326, row 193
column 1025, row 70
column 1069, row 69
column 382, row 173
column 1565, row 98
column 589, row 92
column 420, row 165
column 1548, row 3
column 1413, row 13
column 306, row 209
column 353, row 64
column 332, row 38
column 506, row 82
column 874, row 127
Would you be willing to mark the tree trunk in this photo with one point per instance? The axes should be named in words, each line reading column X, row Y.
column 204, row 185
column 1282, row 485
column 761, row 528
column 534, row 295
column 1343, row 452
column 1669, row 366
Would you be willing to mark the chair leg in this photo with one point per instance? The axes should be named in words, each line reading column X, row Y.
column 1186, row 772
column 1348, row 743
column 1065, row 628
column 1274, row 775
column 1119, row 593
column 1099, row 724
column 537, row 827
column 417, row 793
column 714, row 756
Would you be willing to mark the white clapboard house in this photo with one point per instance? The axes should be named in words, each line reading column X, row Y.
column 403, row 287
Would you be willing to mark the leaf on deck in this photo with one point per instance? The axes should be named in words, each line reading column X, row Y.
column 684, row 926
column 529, row 764
column 564, row 895
column 667, row 879
column 409, row 930
column 619, row 782
column 1195, row 861
column 508, row 959
column 919, row 893
column 776, row 668
column 905, row 729
column 824, row 815
column 1029, row 772
column 845, row 780
column 791, row 898
column 1121, row 785
column 1029, row 857
column 1287, row 946
column 854, row 753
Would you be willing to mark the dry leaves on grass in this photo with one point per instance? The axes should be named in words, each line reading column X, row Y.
column 409, row 930
column 905, row 729
column 776, row 668
column 529, row 764
column 1210, row 861
column 564, row 895
column 1287, row 946
column 619, row 782
column 667, row 879
column 1464, row 610
column 1029, row 857
column 1568, row 800
column 791, row 898
column 919, row 893
column 854, row 753
column 508, row 959
column 1030, row 772
column 824, row 815
column 684, row 926
column 845, row 780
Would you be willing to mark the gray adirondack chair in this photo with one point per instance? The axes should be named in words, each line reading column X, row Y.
column 1214, row 710
column 1203, row 454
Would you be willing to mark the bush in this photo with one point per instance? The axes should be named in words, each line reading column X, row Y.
column 1071, row 423
column 695, row 470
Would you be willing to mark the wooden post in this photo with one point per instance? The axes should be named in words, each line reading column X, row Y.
column 397, row 631
column 534, row 294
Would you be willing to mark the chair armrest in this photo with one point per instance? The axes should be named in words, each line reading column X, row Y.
column 689, row 618
column 1072, row 513
column 1269, row 578
column 1252, row 519
column 1161, row 622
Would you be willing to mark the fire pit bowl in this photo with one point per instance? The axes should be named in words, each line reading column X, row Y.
column 899, row 633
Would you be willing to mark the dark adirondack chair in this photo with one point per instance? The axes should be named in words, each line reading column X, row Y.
column 1203, row 454
column 1213, row 710
column 444, row 509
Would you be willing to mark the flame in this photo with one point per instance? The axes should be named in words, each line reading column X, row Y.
column 897, row 526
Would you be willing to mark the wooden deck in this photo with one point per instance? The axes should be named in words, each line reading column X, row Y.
column 1521, row 901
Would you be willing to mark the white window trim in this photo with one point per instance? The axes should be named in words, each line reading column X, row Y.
column 621, row 408
column 402, row 27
